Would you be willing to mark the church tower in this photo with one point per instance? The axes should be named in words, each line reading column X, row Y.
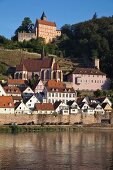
column 43, row 17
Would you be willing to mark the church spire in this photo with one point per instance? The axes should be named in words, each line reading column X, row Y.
column 43, row 17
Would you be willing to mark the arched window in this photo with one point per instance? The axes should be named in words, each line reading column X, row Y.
column 36, row 77
column 16, row 75
column 59, row 75
column 42, row 75
column 47, row 75
column 54, row 75
column 20, row 76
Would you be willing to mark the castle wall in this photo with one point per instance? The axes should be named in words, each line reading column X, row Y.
column 26, row 36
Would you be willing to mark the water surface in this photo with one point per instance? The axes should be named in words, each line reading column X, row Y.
column 57, row 151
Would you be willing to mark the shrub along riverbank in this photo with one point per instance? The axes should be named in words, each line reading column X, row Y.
column 59, row 128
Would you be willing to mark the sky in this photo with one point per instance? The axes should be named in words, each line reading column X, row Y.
column 12, row 12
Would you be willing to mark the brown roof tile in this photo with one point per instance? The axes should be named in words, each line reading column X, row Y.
column 16, row 81
column 44, row 106
column 89, row 71
column 34, row 65
column 6, row 102
column 55, row 84
column 43, row 22
column 12, row 90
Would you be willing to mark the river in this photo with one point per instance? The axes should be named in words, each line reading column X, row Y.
column 57, row 151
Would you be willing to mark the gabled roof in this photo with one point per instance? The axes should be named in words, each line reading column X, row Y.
column 12, row 90
column 56, row 104
column 69, row 103
column 16, row 81
column 6, row 102
column 55, row 84
column 43, row 22
column 34, row 65
column 88, row 71
column 101, row 99
column 105, row 104
column 21, row 67
column 44, row 106
column 79, row 100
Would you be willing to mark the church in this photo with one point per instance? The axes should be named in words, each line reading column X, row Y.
column 43, row 68
column 43, row 28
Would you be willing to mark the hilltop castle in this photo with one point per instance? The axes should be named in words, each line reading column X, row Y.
column 43, row 28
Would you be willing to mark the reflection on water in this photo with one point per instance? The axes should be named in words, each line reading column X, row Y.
column 57, row 151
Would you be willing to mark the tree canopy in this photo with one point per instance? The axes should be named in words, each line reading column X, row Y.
column 26, row 26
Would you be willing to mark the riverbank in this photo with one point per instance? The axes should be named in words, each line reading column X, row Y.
column 52, row 128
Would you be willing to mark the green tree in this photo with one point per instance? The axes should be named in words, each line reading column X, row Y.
column 26, row 26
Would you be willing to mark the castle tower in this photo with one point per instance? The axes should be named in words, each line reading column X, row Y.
column 43, row 17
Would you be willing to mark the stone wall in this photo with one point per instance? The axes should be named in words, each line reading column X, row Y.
column 38, row 119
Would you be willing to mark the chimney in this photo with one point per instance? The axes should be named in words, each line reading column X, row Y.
column 97, row 63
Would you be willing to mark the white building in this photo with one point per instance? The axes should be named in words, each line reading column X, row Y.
column 57, row 91
column 6, row 105
column 21, row 108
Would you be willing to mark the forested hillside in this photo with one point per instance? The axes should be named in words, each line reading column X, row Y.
column 90, row 39
column 80, row 42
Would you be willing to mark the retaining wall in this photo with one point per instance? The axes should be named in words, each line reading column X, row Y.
column 38, row 119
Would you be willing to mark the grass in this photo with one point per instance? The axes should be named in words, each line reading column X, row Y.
column 13, row 57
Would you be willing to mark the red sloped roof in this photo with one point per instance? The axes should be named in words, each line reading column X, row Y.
column 34, row 65
column 6, row 102
column 44, row 106
column 21, row 67
column 88, row 71
column 12, row 89
column 55, row 84
column 43, row 22
column 16, row 81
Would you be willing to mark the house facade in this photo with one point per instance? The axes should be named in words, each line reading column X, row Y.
column 57, row 91
column 6, row 105
column 21, row 108
column 88, row 79
column 44, row 108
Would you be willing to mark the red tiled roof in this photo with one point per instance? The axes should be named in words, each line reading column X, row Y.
column 44, row 106
column 16, row 81
column 55, row 84
column 21, row 67
column 34, row 65
column 43, row 22
column 12, row 90
column 6, row 102
column 61, row 90
column 88, row 71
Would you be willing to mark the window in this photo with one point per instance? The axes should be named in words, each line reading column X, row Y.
column 49, row 94
column 56, row 94
column 63, row 95
column 52, row 94
column 66, row 95
column 69, row 95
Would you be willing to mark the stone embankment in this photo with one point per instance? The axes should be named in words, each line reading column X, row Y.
column 47, row 119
